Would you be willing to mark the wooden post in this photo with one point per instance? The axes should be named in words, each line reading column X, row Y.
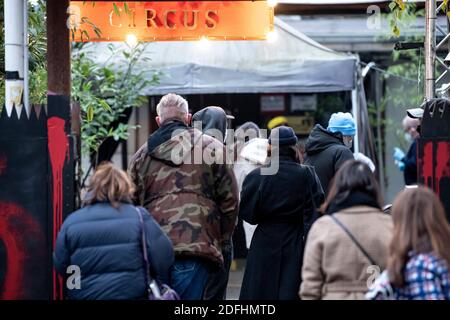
column 58, row 48
column 60, row 140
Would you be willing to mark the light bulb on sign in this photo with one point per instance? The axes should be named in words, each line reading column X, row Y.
column 203, row 42
column 131, row 40
column 271, row 37
column 272, row 3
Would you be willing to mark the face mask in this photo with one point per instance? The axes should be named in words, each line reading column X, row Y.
column 348, row 142
column 408, row 137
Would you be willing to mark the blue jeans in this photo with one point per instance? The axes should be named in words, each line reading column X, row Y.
column 188, row 278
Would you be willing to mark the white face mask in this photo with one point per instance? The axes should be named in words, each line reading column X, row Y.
column 408, row 137
column 348, row 141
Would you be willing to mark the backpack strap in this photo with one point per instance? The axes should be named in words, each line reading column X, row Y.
column 352, row 237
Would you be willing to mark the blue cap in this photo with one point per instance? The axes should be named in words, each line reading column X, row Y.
column 286, row 136
column 343, row 123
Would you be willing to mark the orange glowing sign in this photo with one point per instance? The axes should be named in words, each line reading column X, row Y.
column 170, row 20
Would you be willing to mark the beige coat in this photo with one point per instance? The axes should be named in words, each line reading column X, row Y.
column 333, row 266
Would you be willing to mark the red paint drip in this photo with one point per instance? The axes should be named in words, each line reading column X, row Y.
column 428, row 164
column 443, row 163
column 58, row 146
column 20, row 234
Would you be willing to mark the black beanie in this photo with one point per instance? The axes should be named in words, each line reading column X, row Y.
column 286, row 136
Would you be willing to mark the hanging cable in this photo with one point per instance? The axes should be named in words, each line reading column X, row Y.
column 389, row 73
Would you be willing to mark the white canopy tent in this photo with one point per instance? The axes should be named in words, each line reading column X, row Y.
column 291, row 63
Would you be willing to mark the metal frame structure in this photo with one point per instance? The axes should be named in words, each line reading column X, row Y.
column 432, row 9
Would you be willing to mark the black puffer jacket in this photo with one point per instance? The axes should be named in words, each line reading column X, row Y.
column 105, row 243
column 326, row 152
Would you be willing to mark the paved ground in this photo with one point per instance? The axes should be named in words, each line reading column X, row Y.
column 235, row 280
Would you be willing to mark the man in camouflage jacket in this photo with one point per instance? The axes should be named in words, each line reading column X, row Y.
column 194, row 200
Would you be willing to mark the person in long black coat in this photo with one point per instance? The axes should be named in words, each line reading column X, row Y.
column 283, row 205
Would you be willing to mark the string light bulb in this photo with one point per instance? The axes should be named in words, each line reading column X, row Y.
column 131, row 40
column 203, row 42
column 271, row 36
column 272, row 3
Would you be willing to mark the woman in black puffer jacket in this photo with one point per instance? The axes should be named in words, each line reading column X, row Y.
column 104, row 240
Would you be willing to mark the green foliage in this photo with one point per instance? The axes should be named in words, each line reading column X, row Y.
column 407, row 66
column 401, row 16
column 103, row 91
column 106, row 91
column 37, row 31
column 84, row 25
column 38, row 85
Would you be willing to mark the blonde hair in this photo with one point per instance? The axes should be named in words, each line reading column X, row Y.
column 172, row 106
column 109, row 184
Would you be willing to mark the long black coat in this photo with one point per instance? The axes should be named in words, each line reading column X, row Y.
column 410, row 160
column 280, row 204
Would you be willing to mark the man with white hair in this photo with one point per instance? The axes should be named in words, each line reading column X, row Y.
column 195, row 202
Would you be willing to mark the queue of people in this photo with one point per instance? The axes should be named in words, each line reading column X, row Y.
column 315, row 228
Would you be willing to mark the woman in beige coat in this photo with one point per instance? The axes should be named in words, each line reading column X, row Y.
column 335, row 266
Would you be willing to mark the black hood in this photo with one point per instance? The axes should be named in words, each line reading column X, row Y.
column 320, row 139
column 164, row 133
column 166, row 140
column 212, row 118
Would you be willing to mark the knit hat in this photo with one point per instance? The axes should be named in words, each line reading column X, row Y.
column 343, row 123
column 286, row 136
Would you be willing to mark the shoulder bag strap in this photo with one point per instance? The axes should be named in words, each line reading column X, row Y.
column 144, row 247
column 360, row 247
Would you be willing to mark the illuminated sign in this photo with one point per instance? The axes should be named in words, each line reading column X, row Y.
column 170, row 20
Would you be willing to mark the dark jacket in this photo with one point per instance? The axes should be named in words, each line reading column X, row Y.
column 410, row 161
column 194, row 202
column 105, row 243
column 214, row 123
column 279, row 204
column 326, row 152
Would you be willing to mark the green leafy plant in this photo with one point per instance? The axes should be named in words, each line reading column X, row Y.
column 402, row 11
column 84, row 25
column 106, row 91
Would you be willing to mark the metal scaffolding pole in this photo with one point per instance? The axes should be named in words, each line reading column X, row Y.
column 430, row 48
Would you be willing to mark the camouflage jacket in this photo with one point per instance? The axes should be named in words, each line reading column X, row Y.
column 195, row 203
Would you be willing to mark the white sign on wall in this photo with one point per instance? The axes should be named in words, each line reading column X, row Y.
column 272, row 103
column 303, row 102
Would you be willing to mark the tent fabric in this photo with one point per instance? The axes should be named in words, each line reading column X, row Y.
column 292, row 63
